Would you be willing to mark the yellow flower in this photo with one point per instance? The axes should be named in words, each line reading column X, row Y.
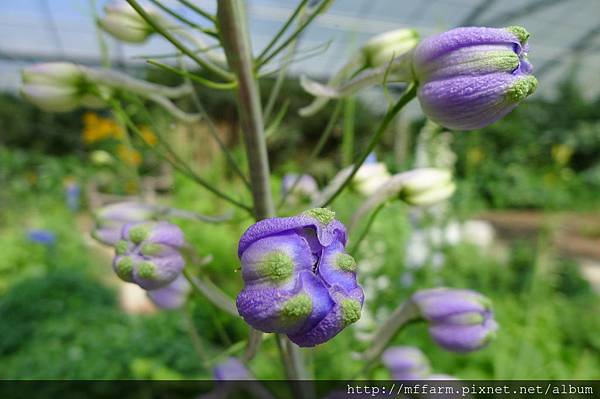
column 97, row 128
column 129, row 155
column 148, row 136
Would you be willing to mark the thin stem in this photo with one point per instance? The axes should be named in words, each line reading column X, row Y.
column 198, row 10
column 180, row 164
column 179, row 45
column 254, row 341
column 121, row 80
column 194, row 336
column 408, row 95
column 348, row 131
column 184, row 19
column 212, row 129
column 208, row 289
column 104, row 55
column 283, row 29
column 235, row 40
column 263, row 60
column 400, row 317
column 365, row 231
column 285, row 64
column 204, row 82
column 316, row 151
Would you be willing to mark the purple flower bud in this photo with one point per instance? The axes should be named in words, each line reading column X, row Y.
column 459, row 320
column 111, row 219
column 406, row 363
column 171, row 296
column 231, row 369
column 298, row 279
column 148, row 254
column 471, row 77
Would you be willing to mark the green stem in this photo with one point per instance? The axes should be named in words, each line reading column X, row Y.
column 179, row 163
column 209, row 290
column 199, row 79
column 183, row 19
column 263, row 60
column 235, row 39
column 408, row 95
column 179, row 45
column 348, row 131
column 283, row 29
column 316, row 151
column 400, row 317
column 365, row 231
column 198, row 10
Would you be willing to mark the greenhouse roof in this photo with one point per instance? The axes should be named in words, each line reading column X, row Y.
column 562, row 31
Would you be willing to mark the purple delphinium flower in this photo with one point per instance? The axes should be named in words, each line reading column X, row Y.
column 230, row 370
column 471, row 77
column 44, row 237
column 298, row 279
column 171, row 296
column 148, row 254
column 406, row 363
column 111, row 219
column 459, row 320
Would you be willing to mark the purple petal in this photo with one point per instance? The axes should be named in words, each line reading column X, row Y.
column 406, row 363
column 338, row 268
column 327, row 229
column 436, row 46
column 231, row 369
column 346, row 311
column 285, row 310
column 163, row 271
column 276, row 260
column 463, row 338
column 440, row 303
column 468, row 102
column 171, row 296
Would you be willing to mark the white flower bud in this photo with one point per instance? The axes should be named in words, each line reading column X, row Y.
column 427, row 186
column 58, row 86
column 370, row 177
column 382, row 48
column 124, row 23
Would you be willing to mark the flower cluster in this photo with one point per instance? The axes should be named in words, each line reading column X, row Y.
column 471, row 77
column 148, row 254
column 459, row 320
column 298, row 279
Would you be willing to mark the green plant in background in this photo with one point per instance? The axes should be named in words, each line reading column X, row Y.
column 299, row 272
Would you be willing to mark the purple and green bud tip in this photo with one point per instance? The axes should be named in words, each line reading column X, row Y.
column 298, row 279
column 171, row 296
column 459, row 320
column 471, row 77
column 148, row 254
